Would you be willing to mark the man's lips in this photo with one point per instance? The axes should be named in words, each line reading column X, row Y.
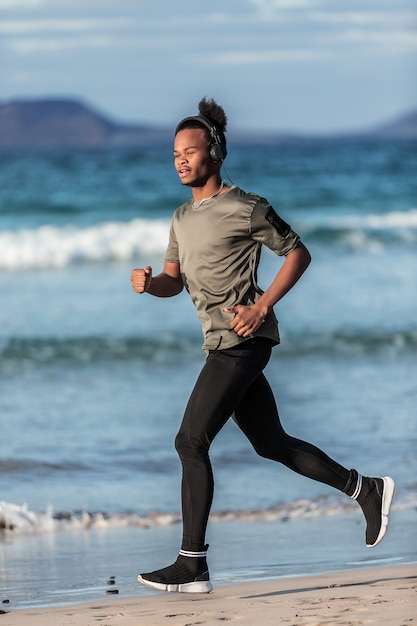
column 183, row 171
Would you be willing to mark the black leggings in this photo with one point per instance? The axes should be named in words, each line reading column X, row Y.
column 231, row 383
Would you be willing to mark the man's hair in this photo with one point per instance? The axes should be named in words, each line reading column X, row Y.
column 212, row 112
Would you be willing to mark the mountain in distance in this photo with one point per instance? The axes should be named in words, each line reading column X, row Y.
column 403, row 127
column 57, row 123
column 67, row 123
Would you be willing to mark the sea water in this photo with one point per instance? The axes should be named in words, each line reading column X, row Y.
column 94, row 378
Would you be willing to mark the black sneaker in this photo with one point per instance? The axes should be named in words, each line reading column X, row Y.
column 189, row 574
column 375, row 499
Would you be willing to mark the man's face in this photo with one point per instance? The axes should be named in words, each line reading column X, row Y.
column 192, row 158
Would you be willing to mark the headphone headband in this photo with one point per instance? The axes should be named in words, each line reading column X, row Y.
column 218, row 150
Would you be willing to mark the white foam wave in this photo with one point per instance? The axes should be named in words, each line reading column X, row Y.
column 54, row 247
column 371, row 232
column 49, row 247
column 397, row 220
column 20, row 520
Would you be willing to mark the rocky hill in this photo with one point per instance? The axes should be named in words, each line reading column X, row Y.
column 404, row 127
column 66, row 123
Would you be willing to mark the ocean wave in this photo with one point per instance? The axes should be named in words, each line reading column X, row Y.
column 86, row 350
column 49, row 247
column 38, row 468
column 55, row 247
column 19, row 519
column 174, row 348
column 352, row 343
column 392, row 220
column 372, row 232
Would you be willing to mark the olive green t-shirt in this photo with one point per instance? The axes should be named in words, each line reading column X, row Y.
column 218, row 247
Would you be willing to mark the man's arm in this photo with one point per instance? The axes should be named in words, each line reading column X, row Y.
column 248, row 319
column 166, row 284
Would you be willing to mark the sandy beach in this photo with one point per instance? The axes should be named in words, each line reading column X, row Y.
column 373, row 596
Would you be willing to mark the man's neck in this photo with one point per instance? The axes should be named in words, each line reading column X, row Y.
column 211, row 188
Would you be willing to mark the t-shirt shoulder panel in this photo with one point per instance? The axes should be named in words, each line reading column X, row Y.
column 271, row 229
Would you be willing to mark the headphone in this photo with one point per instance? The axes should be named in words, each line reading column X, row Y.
column 218, row 150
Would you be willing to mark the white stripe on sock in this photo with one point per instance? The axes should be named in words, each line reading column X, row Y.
column 358, row 488
column 194, row 555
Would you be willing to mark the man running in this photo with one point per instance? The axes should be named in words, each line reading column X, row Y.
column 214, row 249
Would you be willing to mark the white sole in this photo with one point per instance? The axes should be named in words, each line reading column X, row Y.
column 199, row 586
column 387, row 495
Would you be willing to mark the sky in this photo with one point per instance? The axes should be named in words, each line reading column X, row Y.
column 292, row 65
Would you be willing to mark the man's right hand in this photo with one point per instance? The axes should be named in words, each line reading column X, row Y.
column 141, row 279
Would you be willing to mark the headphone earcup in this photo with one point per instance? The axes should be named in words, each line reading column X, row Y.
column 218, row 152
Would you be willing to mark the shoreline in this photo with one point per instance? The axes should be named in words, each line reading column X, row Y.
column 71, row 568
column 379, row 595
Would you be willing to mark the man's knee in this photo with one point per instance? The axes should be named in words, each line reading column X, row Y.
column 266, row 452
column 180, row 442
column 187, row 445
column 274, row 449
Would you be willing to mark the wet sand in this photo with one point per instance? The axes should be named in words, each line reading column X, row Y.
column 377, row 596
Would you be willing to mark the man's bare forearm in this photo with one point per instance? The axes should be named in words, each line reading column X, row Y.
column 164, row 286
column 291, row 271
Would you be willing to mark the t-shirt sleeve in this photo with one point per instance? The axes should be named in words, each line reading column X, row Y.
column 172, row 253
column 270, row 229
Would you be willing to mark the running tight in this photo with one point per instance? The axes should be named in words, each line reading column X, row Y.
column 231, row 383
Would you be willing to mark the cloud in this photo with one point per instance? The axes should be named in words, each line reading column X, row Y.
column 261, row 57
column 21, row 4
column 51, row 35
column 382, row 33
column 364, row 18
column 389, row 41
column 13, row 27
column 30, row 45
column 273, row 6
